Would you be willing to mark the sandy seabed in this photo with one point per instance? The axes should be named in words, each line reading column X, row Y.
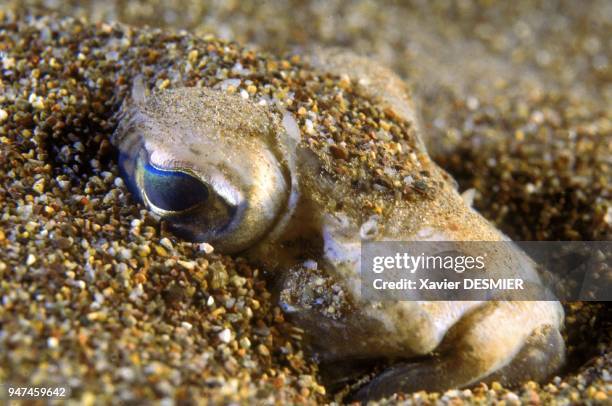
column 515, row 100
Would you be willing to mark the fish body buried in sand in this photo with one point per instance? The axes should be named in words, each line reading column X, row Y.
column 242, row 175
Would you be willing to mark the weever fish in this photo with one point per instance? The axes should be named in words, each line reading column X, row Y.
column 242, row 176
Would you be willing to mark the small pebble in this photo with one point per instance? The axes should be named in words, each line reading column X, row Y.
column 225, row 335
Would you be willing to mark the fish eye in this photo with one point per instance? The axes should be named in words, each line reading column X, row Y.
column 173, row 191
column 241, row 190
column 195, row 210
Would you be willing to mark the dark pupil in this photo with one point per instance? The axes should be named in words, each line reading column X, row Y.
column 173, row 191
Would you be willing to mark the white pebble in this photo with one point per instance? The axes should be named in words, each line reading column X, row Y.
column 309, row 126
column 369, row 229
column 188, row 265
column 112, row 56
column 245, row 342
column 511, row 397
column 36, row 101
column 530, row 188
column 136, row 292
column 166, row 243
column 3, row 115
column 52, row 342
column 125, row 253
column 126, row 373
column 225, row 336
column 30, row 260
column 225, row 84
column 310, row 265
column 8, row 63
column 207, row 248
column 472, row 103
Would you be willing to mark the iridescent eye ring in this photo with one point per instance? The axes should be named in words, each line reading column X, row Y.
column 172, row 191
